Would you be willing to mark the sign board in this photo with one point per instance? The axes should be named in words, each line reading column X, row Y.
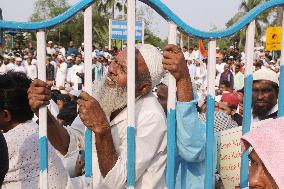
column 273, row 38
column 229, row 155
column 119, row 30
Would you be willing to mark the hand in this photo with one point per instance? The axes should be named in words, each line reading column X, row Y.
column 175, row 63
column 39, row 95
column 91, row 114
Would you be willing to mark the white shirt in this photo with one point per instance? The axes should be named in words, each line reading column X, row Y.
column 273, row 110
column 10, row 67
column 24, row 168
column 2, row 68
column 75, row 79
column 61, row 74
column 63, row 51
column 50, row 51
column 150, row 147
column 31, row 71
column 20, row 68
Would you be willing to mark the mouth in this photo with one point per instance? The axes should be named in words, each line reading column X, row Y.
column 261, row 103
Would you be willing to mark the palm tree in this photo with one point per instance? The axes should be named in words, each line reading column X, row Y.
column 261, row 23
column 106, row 5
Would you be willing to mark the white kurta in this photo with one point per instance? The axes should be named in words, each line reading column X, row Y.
column 31, row 71
column 24, row 169
column 61, row 74
column 20, row 69
column 150, row 147
column 10, row 67
column 74, row 78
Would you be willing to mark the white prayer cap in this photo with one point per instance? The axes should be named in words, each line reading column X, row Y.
column 69, row 57
column 153, row 59
column 231, row 47
column 19, row 59
column 265, row 74
column 6, row 56
column 49, row 42
column 82, row 44
column 217, row 48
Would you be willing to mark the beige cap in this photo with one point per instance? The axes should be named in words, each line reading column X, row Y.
column 266, row 74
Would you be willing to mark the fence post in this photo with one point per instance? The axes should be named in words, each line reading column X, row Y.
column 249, row 51
column 211, row 74
column 171, row 117
column 88, row 84
column 281, row 78
column 43, row 146
column 131, row 19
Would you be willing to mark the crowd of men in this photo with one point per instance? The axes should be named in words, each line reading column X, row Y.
column 70, row 110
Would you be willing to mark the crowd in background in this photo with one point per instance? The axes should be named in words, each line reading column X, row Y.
column 65, row 77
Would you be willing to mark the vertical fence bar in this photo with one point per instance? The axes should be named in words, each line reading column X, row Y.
column 181, row 44
column 109, row 33
column 43, row 152
column 209, row 178
column 171, row 119
column 281, row 78
column 88, row 84
column 249, row 50
column 131, row 19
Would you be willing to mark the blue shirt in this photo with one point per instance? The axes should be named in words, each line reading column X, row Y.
column 191, row 139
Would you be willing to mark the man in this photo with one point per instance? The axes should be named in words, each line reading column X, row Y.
column 265, row 145
column 7, row 64
column 109, row 167
column 227, row 75
column 219, row 53
column 4, row 158
column 49, row 49
column 18, row 49
column 229, row 104
column 61, row 72
column 19, row 66
column 238, row 77
column 71, row 49
column 31, row 70
column 191, row 132
column 62, row 49
column 49, row 71
column 264, row 95
column 77, row 70
column 21, row 134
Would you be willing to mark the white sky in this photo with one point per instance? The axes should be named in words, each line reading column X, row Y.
column 202, row 14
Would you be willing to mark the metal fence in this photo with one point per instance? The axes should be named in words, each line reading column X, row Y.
column 174, row 23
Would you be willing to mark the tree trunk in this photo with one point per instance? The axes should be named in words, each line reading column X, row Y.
column 113, row 6
column 279, row 16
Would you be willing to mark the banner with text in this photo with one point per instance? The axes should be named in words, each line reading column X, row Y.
column 119, row 30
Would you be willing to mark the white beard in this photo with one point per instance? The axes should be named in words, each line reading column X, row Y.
column 110, row 99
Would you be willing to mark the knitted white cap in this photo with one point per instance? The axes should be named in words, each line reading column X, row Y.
column 266, row 74
column 19, row 59
column 153, row 59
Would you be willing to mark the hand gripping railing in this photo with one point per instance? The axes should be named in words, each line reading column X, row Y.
column 174, row 23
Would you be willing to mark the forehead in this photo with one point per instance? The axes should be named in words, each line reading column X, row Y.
column 262, row 84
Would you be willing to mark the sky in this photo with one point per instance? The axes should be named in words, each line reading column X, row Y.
column 201, row 14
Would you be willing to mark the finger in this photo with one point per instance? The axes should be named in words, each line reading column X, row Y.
column 170, row 68
column 38, row 83
column 85, row 96
column 172, row 54
column 39, row 97
column 38, row 104
column 171, row 47
column 168, row 61
column 39, row 90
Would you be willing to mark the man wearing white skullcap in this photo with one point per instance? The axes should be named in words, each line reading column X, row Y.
column 19, row 67
column 264, row 94
column 7, row 64
column 106, row 116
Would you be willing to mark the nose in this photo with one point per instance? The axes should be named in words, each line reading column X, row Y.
column 112, row 68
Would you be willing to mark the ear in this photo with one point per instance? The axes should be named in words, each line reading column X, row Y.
column 6, row 116
column 145, row 88
column 233, row 111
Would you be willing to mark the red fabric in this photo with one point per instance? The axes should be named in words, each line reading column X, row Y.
column 202, row 49
column 230, row 98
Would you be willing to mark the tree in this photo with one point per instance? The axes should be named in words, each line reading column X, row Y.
column 261, row 23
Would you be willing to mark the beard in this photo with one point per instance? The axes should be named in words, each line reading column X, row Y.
column 110, row 99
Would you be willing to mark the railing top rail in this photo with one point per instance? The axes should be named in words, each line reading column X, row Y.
column 159, row 7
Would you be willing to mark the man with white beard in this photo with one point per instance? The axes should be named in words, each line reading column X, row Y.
column 107, row 118
column 61, row 72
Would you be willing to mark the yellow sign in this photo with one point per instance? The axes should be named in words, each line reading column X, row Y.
column 273, row 38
